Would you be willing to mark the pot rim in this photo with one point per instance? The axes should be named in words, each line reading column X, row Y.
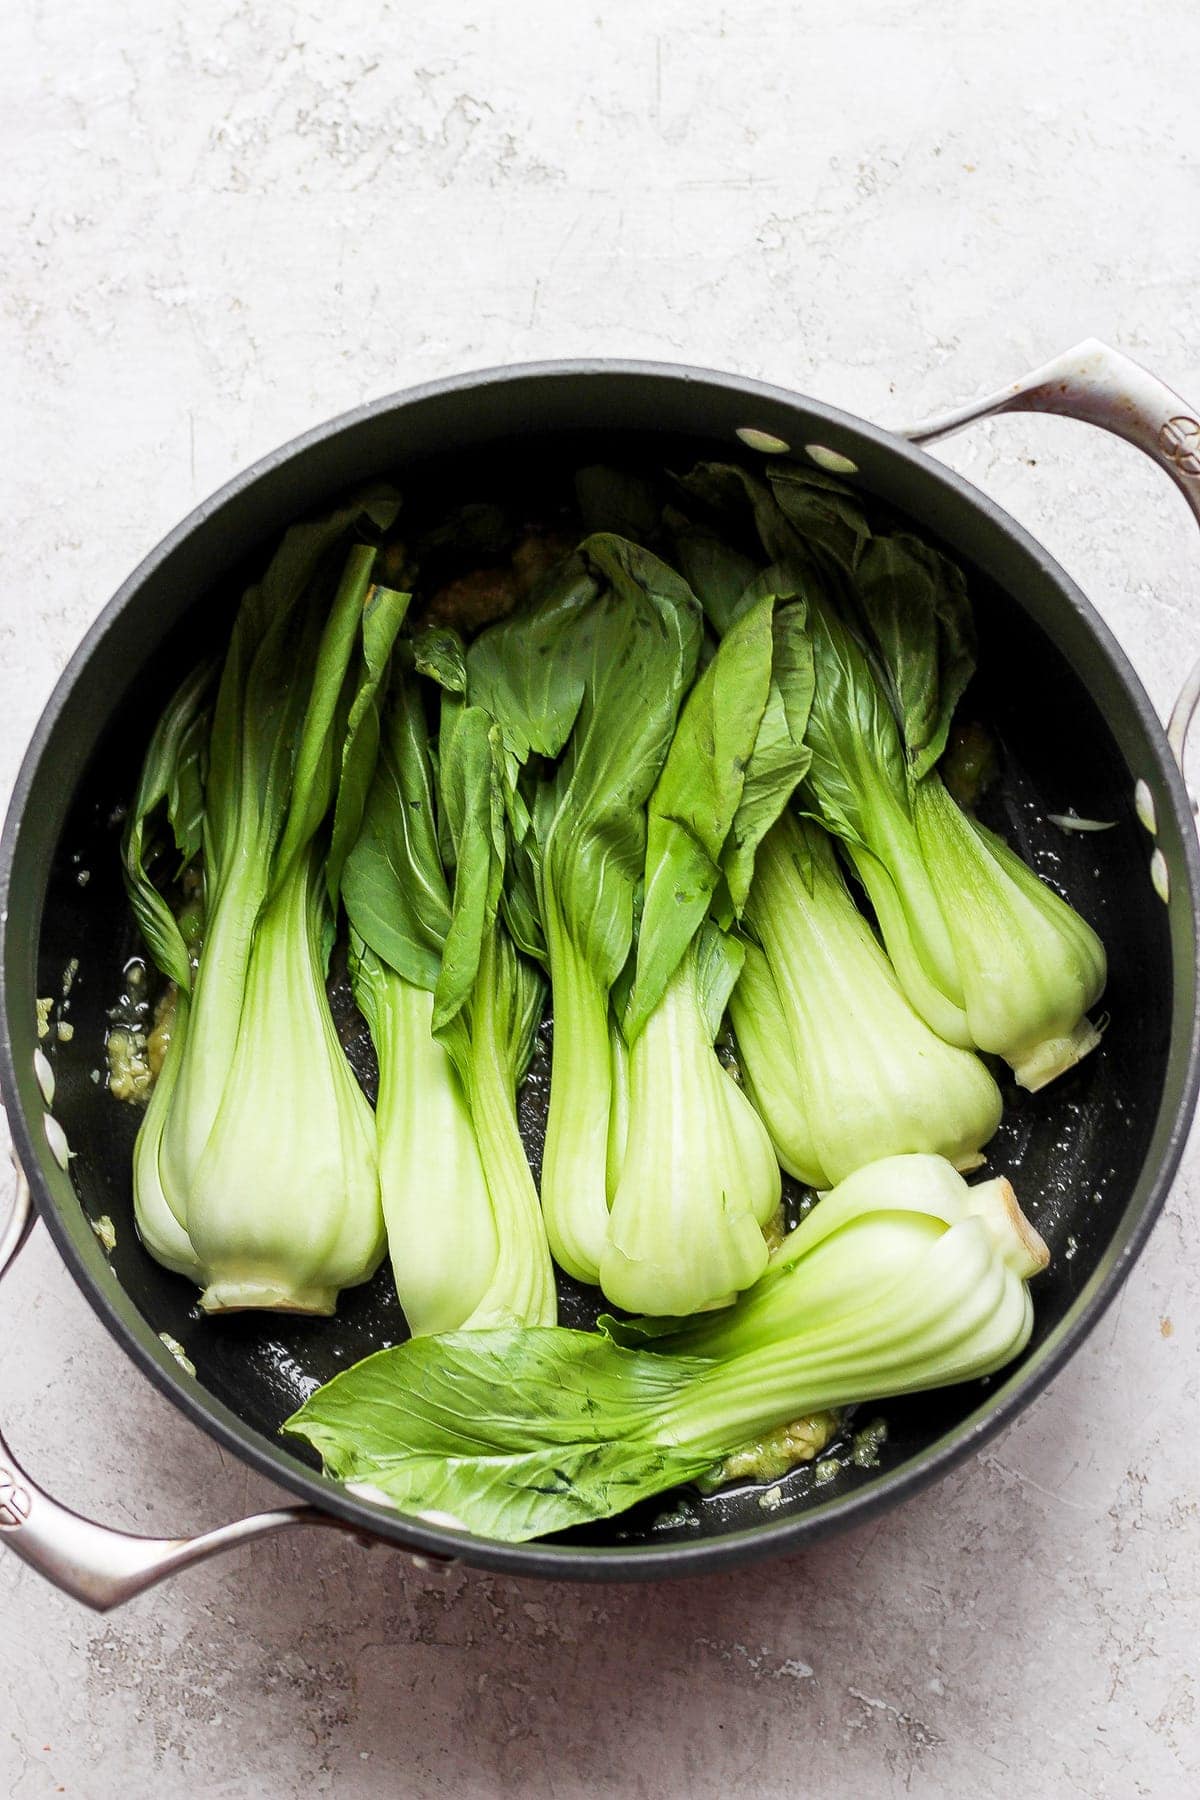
column 603, row 1562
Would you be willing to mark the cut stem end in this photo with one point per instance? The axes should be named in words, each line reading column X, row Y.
column 1022, row 1247
column 262, row 1296
column 1047, row 1061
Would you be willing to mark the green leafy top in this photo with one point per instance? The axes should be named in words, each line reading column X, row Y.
column 717, row 573
column 591, row 672
column 528, row 671
column 890, row 618
column 422, row 882
column 915, row 605
column 472, row 816
column 383, row 613
column 437, row 651
column 393, row 885
column 173, row 774
column 589, row 822
column 736, row 757
column 249, row 778
column 780, row 755
column 826, row 515
column 271, row 749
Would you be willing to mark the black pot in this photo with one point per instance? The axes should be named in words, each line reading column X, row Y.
column 1092, row 1157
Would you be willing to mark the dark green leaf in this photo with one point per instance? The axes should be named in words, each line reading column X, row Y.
column 438, row 653
column 696, row 801
column 185, row 789
column 739, row 503
column 314, row 771
column 472, row 805
column 382, row 617
column 824, row 512
column 617, row 501
column 172, row 776
column 380, row 505
column 528, row 670
column 642, row 638
column 394, row 886
column 852, row 732
column 919, row 616
column 717, row 574
column 781, row 756
column 260, row 703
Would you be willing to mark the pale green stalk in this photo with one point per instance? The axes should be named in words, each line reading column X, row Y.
column 967, row 1317
column 521, row 1290
column 699, row 1178
column 435, row 1198
column 283, row 1206
column 160, row 1226
column 1027, row 1000
column 575, row 1159
column 842, row 1068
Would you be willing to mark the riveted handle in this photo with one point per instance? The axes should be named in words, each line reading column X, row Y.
column 96, row 1565
column 1104, row 387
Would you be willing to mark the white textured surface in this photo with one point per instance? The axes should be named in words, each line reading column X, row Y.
column 223, row 222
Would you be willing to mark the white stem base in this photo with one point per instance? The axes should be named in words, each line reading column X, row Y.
column 1048, row 1060
column 262, row 1296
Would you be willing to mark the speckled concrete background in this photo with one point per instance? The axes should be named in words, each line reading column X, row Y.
column 223, row 222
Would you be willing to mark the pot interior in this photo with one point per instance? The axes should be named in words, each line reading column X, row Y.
column 1076, row 1153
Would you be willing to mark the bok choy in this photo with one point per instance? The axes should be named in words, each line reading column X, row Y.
column 985, row 951
column 452, row 1008
column 698, row 1178
column 255, row 1170
column 901, row 1279
column 591, row 674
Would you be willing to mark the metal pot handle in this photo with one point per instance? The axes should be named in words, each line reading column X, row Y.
column 1104, row 387
column 101, row 1567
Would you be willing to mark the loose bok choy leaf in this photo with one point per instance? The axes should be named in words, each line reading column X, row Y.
column 259, row 1145
column 985, row 951
column 841, row 1068
column 452, row 1008
column 593, row 674
column 901, row 1279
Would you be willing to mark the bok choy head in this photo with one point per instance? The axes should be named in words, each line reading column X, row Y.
column 901, row 1279
column 698, row 1178
column 452, row 1007
column 985, row 951
column 584, row 687
column 260, row 1147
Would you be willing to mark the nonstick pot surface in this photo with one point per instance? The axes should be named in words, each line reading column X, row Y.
column 1076, row 1153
